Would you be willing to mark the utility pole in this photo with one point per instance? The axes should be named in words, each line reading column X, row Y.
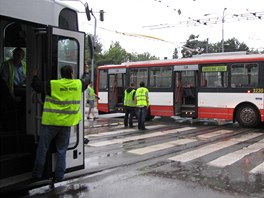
column 94, row 46
column 223, row 21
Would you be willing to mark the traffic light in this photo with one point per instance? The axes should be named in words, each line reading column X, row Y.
column 101, row 15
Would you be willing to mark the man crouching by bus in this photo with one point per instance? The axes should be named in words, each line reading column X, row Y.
column 56, row 122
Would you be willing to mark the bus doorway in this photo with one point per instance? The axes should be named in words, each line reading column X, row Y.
column 116, row 88
column 185, row 92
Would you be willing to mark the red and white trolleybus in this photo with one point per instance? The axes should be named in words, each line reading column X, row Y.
column 227, row 86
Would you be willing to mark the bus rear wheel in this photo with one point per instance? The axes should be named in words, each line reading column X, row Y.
column 247, row 116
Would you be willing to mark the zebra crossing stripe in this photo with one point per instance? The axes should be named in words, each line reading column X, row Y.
column 258, row 169
column 231, row 158
column 142, row 136
column 122, row 131
column 194, row 154
column 157, row 147
column 213, row 134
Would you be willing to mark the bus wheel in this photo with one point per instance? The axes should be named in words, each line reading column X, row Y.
column 247, row 116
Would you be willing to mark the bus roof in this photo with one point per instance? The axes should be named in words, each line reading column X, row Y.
column 37, row 11
column 199, row 59
column 111, row 66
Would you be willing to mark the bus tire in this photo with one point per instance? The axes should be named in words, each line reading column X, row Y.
column 247, row 116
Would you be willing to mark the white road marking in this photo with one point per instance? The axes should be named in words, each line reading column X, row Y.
column 213, row 134
column 194, row 154
column 122, row 131
column 153, row 148
column 231, row 158
column 157, row 147
column 258, row 169
column 138, row 137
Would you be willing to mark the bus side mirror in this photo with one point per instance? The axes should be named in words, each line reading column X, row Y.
column 101, row 15
column 87, row 11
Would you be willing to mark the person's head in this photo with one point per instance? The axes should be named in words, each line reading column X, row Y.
column 67, row 72
column 132, row 84
column 18, row 55
column 142, row 84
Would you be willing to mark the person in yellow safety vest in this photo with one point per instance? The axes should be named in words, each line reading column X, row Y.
column 91, row 96
column 61, row 111
column 129, row 105
column 13, row 71
column 142, row 104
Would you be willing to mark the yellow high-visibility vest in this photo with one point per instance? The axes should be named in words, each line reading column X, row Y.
column 141, row 97
column 12, row 73
column 62, row 108
column 91, row 93
column 129, row 99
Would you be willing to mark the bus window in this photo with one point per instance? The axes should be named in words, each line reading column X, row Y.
column 139, row 75
column 214, row 76
column 68, row 55
column 68, row 19
column 244, row 75
column 160, row 77
column 103, row 80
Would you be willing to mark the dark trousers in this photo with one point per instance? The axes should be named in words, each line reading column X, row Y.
column 142, row 113
column 129, row 114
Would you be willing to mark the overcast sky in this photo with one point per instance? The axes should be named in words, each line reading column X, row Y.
column 132, row 16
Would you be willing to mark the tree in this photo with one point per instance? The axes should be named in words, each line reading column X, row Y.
column 233, row 45
column 115, row 55
column 194, row 46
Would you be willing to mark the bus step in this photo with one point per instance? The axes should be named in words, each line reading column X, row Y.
column 15, row 164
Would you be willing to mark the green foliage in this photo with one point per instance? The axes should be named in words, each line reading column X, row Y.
column 193, row 46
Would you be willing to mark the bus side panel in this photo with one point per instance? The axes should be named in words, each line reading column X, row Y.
column 161, row 110
column 102, row 104
column 215, row 113
column 161, row 103
column 221, row 105
column 262, row 115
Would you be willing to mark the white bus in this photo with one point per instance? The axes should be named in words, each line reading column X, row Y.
column 47, row 30
column 224, row 86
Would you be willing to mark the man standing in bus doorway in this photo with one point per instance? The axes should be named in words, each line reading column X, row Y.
column 142, row 104
column 91, row 96
column 129, row 105
column 61, row 111
column 13, row 73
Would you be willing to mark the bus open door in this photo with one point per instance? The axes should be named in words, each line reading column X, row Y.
column 68, row 49
column 185, row 92
column 116, row 88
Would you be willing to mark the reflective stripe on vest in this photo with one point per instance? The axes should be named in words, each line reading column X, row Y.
column 12, row 73
column 91, row 93
column 129, row 99
column 141, row 96
column 62, row 108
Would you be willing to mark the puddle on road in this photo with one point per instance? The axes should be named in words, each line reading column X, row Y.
column 227, row 179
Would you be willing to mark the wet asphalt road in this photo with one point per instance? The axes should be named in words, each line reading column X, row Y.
column 173, row 158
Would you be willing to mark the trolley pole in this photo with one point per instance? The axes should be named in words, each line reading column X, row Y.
column 94, row 46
